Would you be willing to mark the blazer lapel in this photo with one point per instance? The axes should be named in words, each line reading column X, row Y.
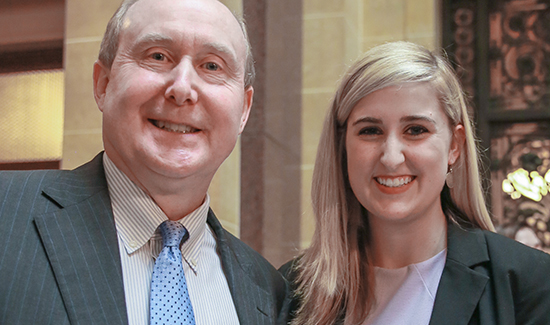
column 81, row 243
column 461, row 285
column 249, row 298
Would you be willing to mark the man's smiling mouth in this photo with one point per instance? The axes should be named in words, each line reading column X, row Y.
column 172, row 127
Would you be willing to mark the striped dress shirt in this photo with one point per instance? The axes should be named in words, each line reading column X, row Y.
column 137, row 217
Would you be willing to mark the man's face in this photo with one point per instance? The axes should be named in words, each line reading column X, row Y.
column 174, row 100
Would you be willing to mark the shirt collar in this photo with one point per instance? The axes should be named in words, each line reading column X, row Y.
column 137, row 216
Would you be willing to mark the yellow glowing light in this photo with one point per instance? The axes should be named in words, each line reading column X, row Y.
column 547, row 176
column 531, row 185
column 507, row 186
column 519, row 177
column 538, row 181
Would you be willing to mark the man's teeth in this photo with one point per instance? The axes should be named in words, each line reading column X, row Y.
column 181, row 128
column 394, row 182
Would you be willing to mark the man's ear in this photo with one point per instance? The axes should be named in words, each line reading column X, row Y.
column 457, row 144
column 248, row 98
column 101, row 80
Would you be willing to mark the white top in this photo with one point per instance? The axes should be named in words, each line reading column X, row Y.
column 406, row 295
column 137, row 217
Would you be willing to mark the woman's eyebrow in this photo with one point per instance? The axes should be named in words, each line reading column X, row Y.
column 367, row 119
column 413, row 118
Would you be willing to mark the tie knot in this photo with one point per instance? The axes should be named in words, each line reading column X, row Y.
column 172, row 233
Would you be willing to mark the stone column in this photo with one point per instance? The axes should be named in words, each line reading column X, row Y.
column 271, row 142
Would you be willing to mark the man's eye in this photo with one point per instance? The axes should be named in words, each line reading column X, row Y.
column 158, row 56
column 212, row 66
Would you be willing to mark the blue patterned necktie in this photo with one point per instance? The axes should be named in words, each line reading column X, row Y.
column 170, row 303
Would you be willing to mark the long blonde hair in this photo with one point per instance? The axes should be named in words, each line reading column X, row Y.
column 334, row 275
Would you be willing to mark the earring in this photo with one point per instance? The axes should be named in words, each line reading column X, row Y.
column 449, row 178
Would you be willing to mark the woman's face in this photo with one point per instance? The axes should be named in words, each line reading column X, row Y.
column 399, row 144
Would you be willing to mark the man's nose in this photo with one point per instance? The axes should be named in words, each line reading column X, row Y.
column 182, row 84
column 392, row 152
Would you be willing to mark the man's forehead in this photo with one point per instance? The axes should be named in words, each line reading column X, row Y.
column 224, row 25
column 213, row 9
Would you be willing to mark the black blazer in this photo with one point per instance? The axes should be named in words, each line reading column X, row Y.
column 60, row 263
column 487, row 279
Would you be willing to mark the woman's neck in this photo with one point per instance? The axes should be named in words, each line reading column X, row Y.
column 398, row 244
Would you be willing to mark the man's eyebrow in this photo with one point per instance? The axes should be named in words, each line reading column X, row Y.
column 224, row 51
column 154, row 38
column 217, row 48
column 151, row 39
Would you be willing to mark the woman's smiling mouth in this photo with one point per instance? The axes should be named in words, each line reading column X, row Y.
column 394, row 181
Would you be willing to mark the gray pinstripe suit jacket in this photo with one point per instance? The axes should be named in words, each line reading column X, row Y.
column 59, row 258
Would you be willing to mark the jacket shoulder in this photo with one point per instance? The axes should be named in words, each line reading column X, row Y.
column 248, row 256
column 523, row 272
column 237, row 253
column 513, row 254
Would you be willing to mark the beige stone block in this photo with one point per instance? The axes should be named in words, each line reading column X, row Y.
column 384, row 18
column 88, row 18
column 420, row 17
column 323, row 6
column 353, row 12
column 314, row 108
column 225, row 193
column 324, row 57
column 370, row 43
column 233, row 228
column 428, row 41
column 282, row 196
column 353, row 42
column 234, row 5
column 81, row 111
column 31, row 116
column 314, row 105
column 80, row 148
column 307, row 222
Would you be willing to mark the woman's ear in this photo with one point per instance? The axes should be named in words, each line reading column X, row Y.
column 457, row 143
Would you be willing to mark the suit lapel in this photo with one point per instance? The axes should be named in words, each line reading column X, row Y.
column 250, row 299
column 81, row 243
column 461, row 285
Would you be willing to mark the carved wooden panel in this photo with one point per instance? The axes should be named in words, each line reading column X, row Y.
column 519, row 54
column 501, row 51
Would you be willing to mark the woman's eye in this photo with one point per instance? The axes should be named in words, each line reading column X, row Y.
column 370, row 131
column 158, row 56
column 212, row 66
column 417, row 130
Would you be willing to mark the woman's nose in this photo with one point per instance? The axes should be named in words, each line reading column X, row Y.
column 392, row 152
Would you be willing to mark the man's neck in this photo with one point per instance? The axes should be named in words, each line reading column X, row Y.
column 176, row 197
